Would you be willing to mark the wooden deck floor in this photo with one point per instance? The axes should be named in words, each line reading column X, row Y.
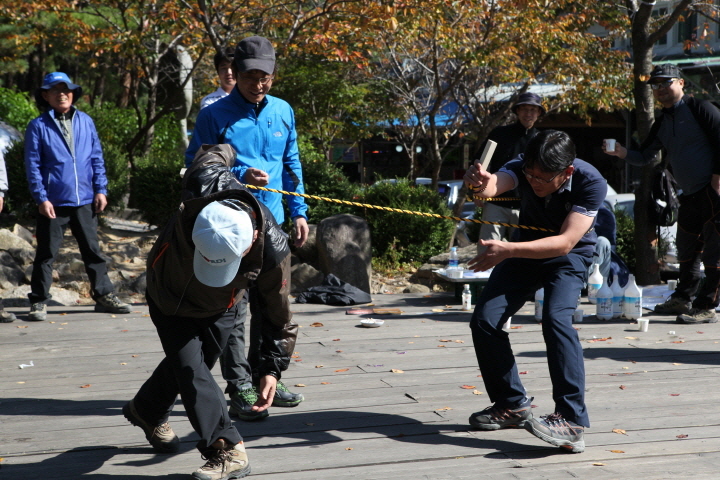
column 61, row 418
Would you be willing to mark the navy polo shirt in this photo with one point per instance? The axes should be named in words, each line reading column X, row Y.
column 583, row 192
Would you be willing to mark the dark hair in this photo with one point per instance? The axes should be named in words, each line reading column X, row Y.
column 226, row 55
column 550, row 151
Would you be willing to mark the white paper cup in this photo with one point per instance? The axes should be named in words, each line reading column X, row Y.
column 578, row 315
column 643, row 324
column 507, row 325
column 672, row 284
column 609, row 144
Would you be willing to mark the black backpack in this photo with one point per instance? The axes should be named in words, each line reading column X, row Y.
column 664, row 203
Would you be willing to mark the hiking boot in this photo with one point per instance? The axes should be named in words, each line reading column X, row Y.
column 38, row 312
column 224, row 462
column 285, row 398
column 698, row 315
column 161, row 437
column 673, row 306
column 495, row 418
column 557, row 431
column 241, row 402
column 111, row 304
column 7, row 317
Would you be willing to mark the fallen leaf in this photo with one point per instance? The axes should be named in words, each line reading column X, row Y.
column 338, row 351
column 135, row 356
column 515, row 327
column 617, row 451
column 299, row 360
column 459, row 341
column 443, row 409
column 295, row 356
column 22, row 326
column 393, row 370
column 625, row 368
column 85, row 386
column 123, row 363
column 682, row 435
column 679, row 341
column 64, row 323
column 598, row 464
column 524, row 372
column 123, row 331
column 336, row 339
column 348, row 448
column 64, row 313
column 700, row 332
column 342, row 370
column 612, row 374
column 324, row 383
column 317, row 324
column 619, row 431
column 441, row 346
column 674, row 394
column 677, row 363
column 467, row 387
column 477, row 392
column 319, row 366
column 299, row 384
column 632, row 338
column 437, row 310
column 444, row 340
column 622, row 387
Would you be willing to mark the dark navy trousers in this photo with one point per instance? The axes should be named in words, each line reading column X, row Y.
column 192, row 346
column 512, row 283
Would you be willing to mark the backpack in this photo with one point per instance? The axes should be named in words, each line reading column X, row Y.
column 664, row 203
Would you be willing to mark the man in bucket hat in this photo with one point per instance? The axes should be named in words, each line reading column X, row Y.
column 261, row 129
column 194, row 305
column 511, row 141
column 688, row 130
column 66, row 176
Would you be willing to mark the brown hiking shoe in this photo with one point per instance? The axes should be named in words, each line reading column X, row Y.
column 698, row 315
column 224, row 462
column 161, row 437
column 673, row 306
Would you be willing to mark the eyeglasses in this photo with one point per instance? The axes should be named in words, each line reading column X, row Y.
column 665, row 84
column 253, row 80
column 538, row 179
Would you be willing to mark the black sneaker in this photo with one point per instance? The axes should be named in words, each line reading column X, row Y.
column 557, row 431
column 285, row 398
column 673, row 306
column 224, row 462
column 161, row 437
column 241, row 402
column 111, row 304
column 495, row 418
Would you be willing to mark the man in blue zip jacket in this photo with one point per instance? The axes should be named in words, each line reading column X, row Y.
column 261, row 129
column 66, row 176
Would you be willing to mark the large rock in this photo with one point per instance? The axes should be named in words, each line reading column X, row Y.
column 305, row 276
column 25, row 234
column 9, row 240
column 344, row 249
column 308, row 252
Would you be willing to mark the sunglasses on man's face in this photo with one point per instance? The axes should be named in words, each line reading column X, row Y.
column 663, row 84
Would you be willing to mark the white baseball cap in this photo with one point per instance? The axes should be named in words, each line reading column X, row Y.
column 222, row 232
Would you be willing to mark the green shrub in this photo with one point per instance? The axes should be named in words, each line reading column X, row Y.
column 17, row 109
column 324, row 179
column 156, row 185
column 625, row 239
column 18, row 200
column 402, row 237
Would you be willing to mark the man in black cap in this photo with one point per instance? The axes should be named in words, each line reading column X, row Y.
column 689, row 133
column 511, row 141
column 261, row 129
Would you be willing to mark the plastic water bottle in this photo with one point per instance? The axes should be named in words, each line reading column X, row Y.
column 595, row 281
column 604, row 305
column 632, row 304
column 466, row 298
column 618, row 296
column 539, row 300
column 453, row 260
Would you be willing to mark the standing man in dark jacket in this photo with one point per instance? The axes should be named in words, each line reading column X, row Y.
column 66, row 175
column 511, row 141
column 689, row 133
column 193, row 305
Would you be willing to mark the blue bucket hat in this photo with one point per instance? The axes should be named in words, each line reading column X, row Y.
column 52, row 79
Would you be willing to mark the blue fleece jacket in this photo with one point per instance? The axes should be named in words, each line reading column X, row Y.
column 266, row 140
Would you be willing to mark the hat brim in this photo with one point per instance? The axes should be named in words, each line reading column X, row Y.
column 214, row 276
column 515, row 107
column 43, row 104
column 247, row 64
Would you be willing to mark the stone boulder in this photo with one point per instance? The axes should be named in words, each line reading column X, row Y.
column 304, row 276
column 9, row 240
column 344, row 249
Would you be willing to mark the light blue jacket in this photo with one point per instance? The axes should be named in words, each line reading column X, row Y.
column 53, row 173
column 267, row 141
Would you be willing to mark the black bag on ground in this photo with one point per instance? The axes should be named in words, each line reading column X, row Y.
column 334, row 291
column 664, row 203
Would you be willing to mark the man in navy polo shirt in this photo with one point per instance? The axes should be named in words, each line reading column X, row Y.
column 561, row 195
